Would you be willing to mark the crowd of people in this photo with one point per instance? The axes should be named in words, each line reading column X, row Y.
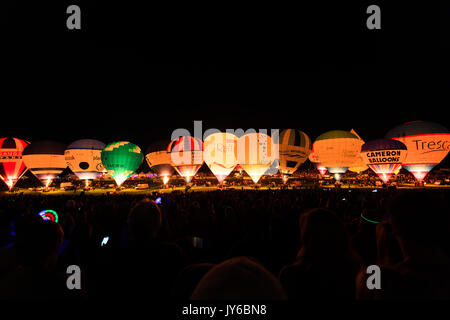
column 228, row 244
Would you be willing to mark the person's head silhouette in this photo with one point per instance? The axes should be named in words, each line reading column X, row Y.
column 38, row 243
column 144, row 220
column 238, row 278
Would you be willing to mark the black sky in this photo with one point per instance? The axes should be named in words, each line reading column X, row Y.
column 142, row 77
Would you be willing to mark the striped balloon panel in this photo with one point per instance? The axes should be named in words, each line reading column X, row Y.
column 187, row 171
column 256, row 148
column 294, row 137
column 387, row 168
column 185, row 143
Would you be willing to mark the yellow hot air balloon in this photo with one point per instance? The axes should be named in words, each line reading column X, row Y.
column 337, row 150
column 256, row 153
column 359, row 165
column 294, row 148
column 220, row 154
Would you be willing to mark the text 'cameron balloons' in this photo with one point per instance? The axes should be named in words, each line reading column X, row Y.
column 256, row 153
column 186, row 154
column 294, row 147
column 121, row 159
column 337, row 150
column 158, row 159
column 45, row 159
column 428, row 144
column 84, row 158
column 220, row 154
column 384, row 156
column 12, row 166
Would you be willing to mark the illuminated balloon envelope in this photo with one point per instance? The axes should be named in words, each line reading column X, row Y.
column 294, row 148
column 428, row 144
column 159, row 160
column 50, row 215
column 359, row 165
column 220, row 153
column 45, row 159
column 186, row 154
column 12, row 166
column 256, row 152
column 315, row 160
column 84, row 158
column 121, row 159
column 337, row 150
column 384, row 156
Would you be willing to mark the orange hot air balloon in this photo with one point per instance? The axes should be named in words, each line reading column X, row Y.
column 220, row 154
column 428, row 144
column 256, row 153
column 187, row 156
column 337, row 150
column 320, row 167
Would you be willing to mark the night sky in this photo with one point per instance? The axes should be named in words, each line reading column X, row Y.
column 141, row 78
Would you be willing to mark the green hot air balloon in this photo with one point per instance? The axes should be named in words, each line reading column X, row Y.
column 121, row 159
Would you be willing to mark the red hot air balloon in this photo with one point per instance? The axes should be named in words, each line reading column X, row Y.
column 428, row 144
column 12, row 166
column 186, row 155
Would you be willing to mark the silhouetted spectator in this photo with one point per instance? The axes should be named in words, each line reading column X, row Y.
column 146, row 267
column 421, row 224
column 188, row 280
column 239, row 278
column 37, row 246
column 326, row 266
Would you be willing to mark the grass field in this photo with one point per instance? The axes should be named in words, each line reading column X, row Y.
column 193, row 189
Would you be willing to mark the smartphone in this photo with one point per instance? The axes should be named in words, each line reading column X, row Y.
column 104, row 241
column 375, row 190
column 158, row 200
column 197, row 242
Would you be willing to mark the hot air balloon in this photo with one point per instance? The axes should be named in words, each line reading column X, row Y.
column 256, row 153
column 220, row 154
column 359, row 165
column 315, row 160
column 337, row 150
column 84, row 158
column 186, row 154
column 121, row 159
column 428, row 144
column 294, row 147
column 12, row 166
column 384, row 156
column 45, row 159
column 159, row 160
